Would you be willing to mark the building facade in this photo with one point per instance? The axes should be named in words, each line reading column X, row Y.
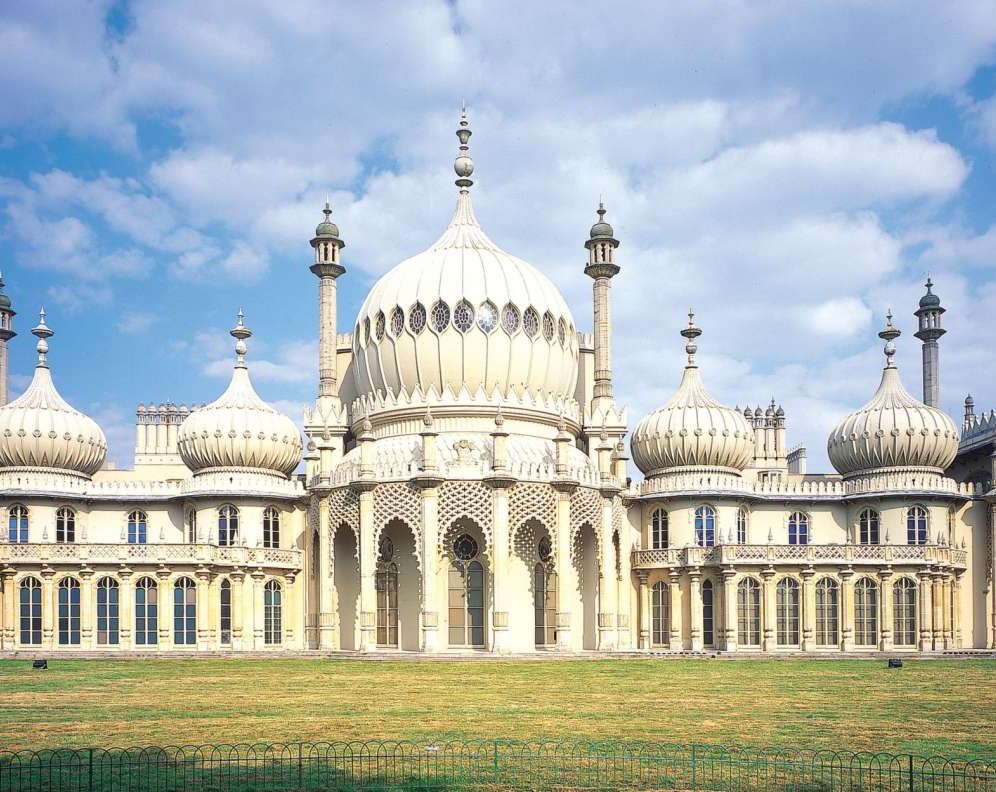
column 463, row 487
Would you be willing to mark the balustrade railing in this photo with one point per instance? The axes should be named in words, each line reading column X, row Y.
column 932, row 555
column 123, row 553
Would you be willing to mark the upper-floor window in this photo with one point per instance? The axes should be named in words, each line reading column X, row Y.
column 868, row 523
column 138, row 527
column 741, row 525
column 798, row 528
column 228, row 526
column 65, row 525
column 271, row 527
column 705, row 526
column 190, row 526
column 17, row 524
column 659, row 530
column 916, row 525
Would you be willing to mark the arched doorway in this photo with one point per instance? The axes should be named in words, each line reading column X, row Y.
column 467, row 600
column 586, row 566
column 386, row 584
column 346, row 581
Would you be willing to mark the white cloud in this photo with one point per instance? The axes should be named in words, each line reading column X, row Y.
column 135, row 323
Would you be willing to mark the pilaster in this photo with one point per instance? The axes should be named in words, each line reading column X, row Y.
column 768, row 610
column 565, row 572
column 607, row 583
column 126, row 608
column 499, row 564
column 430, row 565
column 674, row 611
column 885, row 610
column 87, row 598
column 644, row 637
column 729, row 643
column 368, row 562
column 695, row 607
column 808, row 610
column 847, row 610
column 926, row 612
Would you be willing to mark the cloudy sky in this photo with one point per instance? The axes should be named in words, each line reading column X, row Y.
column 789, row 169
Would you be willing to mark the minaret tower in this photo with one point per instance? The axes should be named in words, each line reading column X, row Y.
column 328, row 246
column 929, row 331
column 6, row 333
column 602, row 268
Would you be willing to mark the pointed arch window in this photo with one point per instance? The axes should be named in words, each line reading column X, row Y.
column 917, row 526
column 138, row 527
column 904, row 612
column 798, row 528
column 548, row 329
column 868, row 527
column 742, row 525
column 190, row 526
column 17, row 524
column 440, row 316
column 749, row 612
column 65, row 526
column 30, row 591
column 787, row 612
column 487, row 316
column 69, row 612
column 510, row 319
column 705, row 526
column 185, row 612
column 827, row 612
column 146, row 612
column 228, row 526
column 659, row 538
column 225, row 614
column 271, row 527
column 397, row 321
column 416, row 318
column 562, row 331
column 660, row 607
column 108, row 612
column 463, row 316
column 708, row 636
column 272, row 614
column 380, row 324
column 530, row 322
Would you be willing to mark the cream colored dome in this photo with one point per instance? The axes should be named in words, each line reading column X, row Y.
column 693, row 430
column 40, row 429
column 465, row 314
column 240, row 430
column 893, row 430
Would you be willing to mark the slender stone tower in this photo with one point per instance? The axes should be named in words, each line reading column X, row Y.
column 601, row 268
column 6, row 333
column 929, row 331
column 327, row 245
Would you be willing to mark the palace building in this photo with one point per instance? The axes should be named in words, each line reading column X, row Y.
column 462, row 486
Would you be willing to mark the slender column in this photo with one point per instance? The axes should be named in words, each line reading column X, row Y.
column 607, row 583
column 695, row 607
column 238, row 606
column 430, row 567
column 296, row 586
column 49, row 609
column 328, row 636
column 201, row 590
column 8, row 635
column 938, row 614
column 847, row 610
column 729, row 610
column 214, row 613
column 165, row 610
column 674, row 611
column 87, row 632
column 624, row 585
column 885, row 610
column 956, row 610
column 258, row 579
column 926, row 612
column 368, row 562
column 948, row 630
column 768, row 642
column 808, row 610
column 126, row 608
column 992, row 567
column 499, row 568
column 565, row 587
column 642, row 575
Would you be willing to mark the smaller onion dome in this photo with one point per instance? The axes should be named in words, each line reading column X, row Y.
column 4, row 299
column 326, row 228
column 240, row 430
column 40, row 429
column 601, row 229
column 893, row 430
column 929, row 300
column 693, row 430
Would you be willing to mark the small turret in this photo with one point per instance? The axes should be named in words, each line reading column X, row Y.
column 7, row 314
column 929, row 330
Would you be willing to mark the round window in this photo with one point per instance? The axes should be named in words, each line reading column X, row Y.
column 416, row 319
column 465, row 547
column 545, row 549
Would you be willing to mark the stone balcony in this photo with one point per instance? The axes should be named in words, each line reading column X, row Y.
column 795, row 555
column 85, row 554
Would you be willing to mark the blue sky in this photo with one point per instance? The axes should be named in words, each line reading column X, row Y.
column 790, row 170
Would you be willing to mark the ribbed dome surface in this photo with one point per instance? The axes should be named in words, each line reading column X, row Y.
column 464, row 313
column 240, row 430
column 40, row 429
column 893, row 430
column 692, row 430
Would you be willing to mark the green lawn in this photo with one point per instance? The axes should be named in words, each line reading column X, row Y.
column 933, row 706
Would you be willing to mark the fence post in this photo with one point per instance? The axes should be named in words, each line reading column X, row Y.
column 693, row 765
column 496, row 763
column 911, row 773
column 90, row 770
column 300, row 764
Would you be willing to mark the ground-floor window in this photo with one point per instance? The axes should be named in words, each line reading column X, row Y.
column 749, row 612
column 865, row 612
column 904, row 612
column 660, row 606
column 184, row 612
column 225, row 612
column 386, row 584
column 708, row 636
column 107, row 611
column 827, row 609
column 31, row 611
column 69, row 612
column 466, row 594
column 272, row 614
column 787, row 612
column 545, row 605
column 146, row 612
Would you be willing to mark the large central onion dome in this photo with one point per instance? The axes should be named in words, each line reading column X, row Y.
column 893, row 430
column 693, row 430
column 240, row 430
column 465, row 314
column 40, row 429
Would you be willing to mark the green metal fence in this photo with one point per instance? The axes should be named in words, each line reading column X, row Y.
column 494, row 764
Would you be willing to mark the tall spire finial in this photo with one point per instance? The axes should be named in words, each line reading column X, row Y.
column 889, row 334
column 42, row 332
column 463, row 165
column 691, row 333
column 240, row 333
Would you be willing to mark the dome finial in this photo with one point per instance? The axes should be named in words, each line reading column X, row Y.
column 240, row 332
column 463, row 165
column 42, row 332
column 889, row 334
column 691, row 333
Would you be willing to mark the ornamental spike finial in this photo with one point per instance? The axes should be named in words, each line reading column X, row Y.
column 42, row 332
column 240, row 333
column 889, row 334
column 463, row 165
column 691, row 333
